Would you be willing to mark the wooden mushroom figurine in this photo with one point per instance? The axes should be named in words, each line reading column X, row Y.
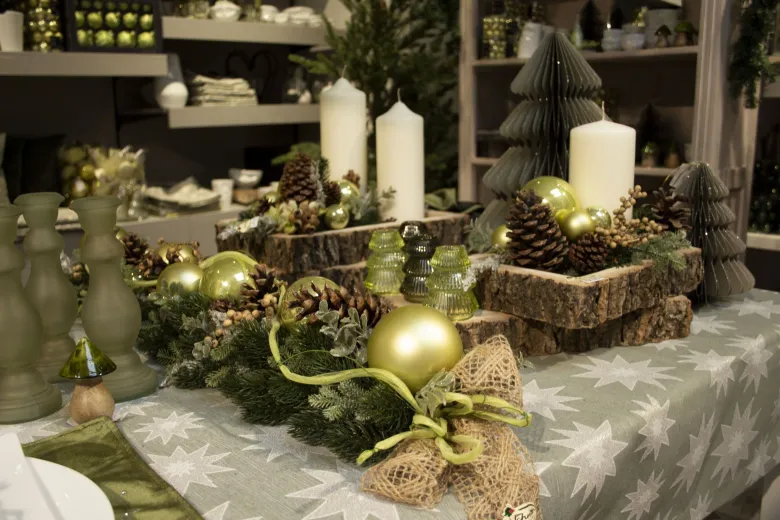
column 91, row 399
column 685, row 34
column 662, row 37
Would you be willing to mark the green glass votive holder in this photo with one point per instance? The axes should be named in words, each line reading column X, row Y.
column 417, row 269
column 449, row 290
column 385, row 265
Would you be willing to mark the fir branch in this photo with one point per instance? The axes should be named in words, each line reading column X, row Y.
column 664, row 251
column 216, row 378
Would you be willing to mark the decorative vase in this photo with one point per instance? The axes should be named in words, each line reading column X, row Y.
column 170, row 92
column 418, row 268
column 448, row 289
column 110, row 313
column 385, row 265
column 24, row 393
column 48, row 288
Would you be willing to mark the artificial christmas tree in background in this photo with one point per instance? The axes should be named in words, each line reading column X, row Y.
column 556, row 86
column 704, row 193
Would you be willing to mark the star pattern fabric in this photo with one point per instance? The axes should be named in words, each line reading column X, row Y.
column 657, row 424
column 692, row 462
column 719, row 367
column 641, row 501
column 755, row 357
column 545, row 401
column 625, row 373
column 711, row 324
column 734, row 448
column 277, row 442
column 181, row 469
column 166, row 428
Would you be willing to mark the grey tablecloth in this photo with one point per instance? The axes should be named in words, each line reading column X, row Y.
column 660, row 432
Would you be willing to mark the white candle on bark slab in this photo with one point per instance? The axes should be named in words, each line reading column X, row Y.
column 343, row 132
column 601, row 163
column 400, row 162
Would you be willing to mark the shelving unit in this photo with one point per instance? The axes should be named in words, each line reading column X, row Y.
column 221, row 116
column 176, row 28
column 83, row 64
column 763, row 241
column 643, row 54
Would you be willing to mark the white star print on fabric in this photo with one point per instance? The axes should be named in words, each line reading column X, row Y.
column 543, row 401
column 709, row 324
column 667, row 516
column 776, row 411
column 641, row 500
column 777, row 455
column 278, row 442
column 340, row 494
column 755, row 357
column 628, row 374
column 670, row 344
column 593, row 454
column 718, row 366
column 541, row 467
column 748, row 306
column 587, row 515
column 182, row 469
column 136, row 407
column 166, row 428
column 217, row 513
column 757, row 466
column 702, row 509
column 737, row 437
column 692, row 462
column 28, row 432
column 657, row 423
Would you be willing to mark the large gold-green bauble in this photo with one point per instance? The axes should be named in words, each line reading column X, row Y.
column 186, row 252
column 337, row 216
column 555, row 192
column 235, row 255
column 500, row 238
column 87, row 172
column 78, row 189
column 577, row 223
column 183, row 273
column 224, row 279
column 288, row 316
column 414, row 343
column 600, row 216
column 349, row 190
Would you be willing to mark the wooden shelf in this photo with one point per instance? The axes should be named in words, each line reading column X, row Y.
column 653, row 172
column 774, row 58
column 220, row 116
column 484, row 161
column 592, row 56
column 93, row 64
column 764, row 241
column 176, row 28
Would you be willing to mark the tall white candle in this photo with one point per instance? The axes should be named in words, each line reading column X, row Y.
column 343, row 132
column 601, row 163
column 400, row 162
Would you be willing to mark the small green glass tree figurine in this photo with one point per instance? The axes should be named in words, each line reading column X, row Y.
column 449, row 291
column 91, row 399
column 418, row 267
column 385, row 265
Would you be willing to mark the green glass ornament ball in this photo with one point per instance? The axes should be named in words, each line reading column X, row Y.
column 577, row 223
column 600, row 216
column 185, row 274
column 349, row 190
column 500, row 238
column 186, row 252
column 414, row 343
column 555, row 192
column 337, row 216
column 225, row 279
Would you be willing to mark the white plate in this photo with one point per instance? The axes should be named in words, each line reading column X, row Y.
column 76, row 497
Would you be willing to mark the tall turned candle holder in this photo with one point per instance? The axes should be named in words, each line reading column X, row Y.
column 24, row 393
column 48, row 288
column 111, row 314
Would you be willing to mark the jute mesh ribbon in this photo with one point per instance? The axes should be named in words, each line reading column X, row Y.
column 417, row 474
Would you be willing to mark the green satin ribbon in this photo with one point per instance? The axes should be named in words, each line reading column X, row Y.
column 423, row 426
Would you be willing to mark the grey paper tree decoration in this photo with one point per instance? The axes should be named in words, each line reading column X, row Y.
column 556, row 88
column 704, row 192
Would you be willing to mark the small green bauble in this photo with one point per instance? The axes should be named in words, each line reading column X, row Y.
column 600, row 216
column 186, row 252
column 78, row 189
column 348, row 190
column 113, row 20
column 555, row 192
column 147, row 22
column 577, row 223
column 130, row 20
column 146, row 40
column 95, row 20
column 125, row 39
column 187, row 275
column 500, row 238
column 225, row 279
column 337, row 216
column 79, row 17
column 87, row 172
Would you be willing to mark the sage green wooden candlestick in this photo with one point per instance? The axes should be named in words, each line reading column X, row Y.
column 24, row 394
column 48, row 288
column 110, row 313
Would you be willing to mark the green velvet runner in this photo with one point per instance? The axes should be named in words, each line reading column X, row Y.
column 99, row 451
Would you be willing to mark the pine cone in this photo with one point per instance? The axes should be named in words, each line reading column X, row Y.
column 332, row 193
column 306, row 218
column 79, row 275
column 300, row 180
column 257, row 209
column 536, row 240
column 670, row 211
column 308, row 301
column 152, row 264
column 589, row 254
column 220, row 305
column 264, row 296
column 135, row 248
column 352, row 177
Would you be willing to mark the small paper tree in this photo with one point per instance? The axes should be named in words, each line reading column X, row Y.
column 556, row 86
column 704, row 193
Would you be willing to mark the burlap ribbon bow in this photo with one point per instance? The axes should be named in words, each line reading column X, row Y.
column 503, row 475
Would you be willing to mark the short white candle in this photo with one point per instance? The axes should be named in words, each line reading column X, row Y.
column 400, row 162
column 601, row 163
column 343, row 132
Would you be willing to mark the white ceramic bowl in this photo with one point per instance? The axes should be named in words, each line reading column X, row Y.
column 245, row 179
column 632, row 42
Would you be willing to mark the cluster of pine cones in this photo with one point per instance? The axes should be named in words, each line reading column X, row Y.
column 306, row 302
column 537, row 242
column 258, row 299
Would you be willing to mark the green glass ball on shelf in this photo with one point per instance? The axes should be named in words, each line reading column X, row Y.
column 555, row 192
column 337, row 216
column 78, row 17
column 95, row 20
column 500, row 238
column 146, row 40
column 577, row 223
column 130, row 20
column 113, row 20
column 147, row 22
column 600, row 216
column 348, row 190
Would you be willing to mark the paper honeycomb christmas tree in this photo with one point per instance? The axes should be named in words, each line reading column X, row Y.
column 704, row 192
column 556, row 87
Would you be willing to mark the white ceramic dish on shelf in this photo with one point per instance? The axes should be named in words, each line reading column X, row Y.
column 74, row 495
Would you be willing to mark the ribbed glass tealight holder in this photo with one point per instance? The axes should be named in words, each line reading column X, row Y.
column 448, row 291
column 385, row 265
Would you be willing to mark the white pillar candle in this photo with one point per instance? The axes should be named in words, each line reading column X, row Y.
column 601, row 163
column 400, row 162
column 343, row 132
